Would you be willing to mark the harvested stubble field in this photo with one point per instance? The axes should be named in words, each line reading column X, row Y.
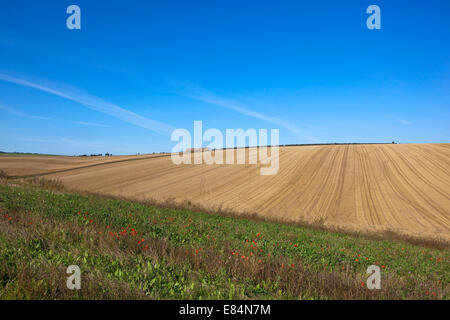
column 29, row 164
column 404, row 189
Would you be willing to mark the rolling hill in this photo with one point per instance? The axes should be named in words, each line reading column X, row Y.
column 363, row 188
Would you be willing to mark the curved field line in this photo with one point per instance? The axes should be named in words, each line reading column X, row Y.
column 84, row 167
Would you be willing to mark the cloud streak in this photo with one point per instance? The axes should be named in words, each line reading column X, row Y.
column 208, row 97
column 92, row 124
column 85, row 146
column 96, row 104
column 404, row 121
column 19, row 113
column 22, row 114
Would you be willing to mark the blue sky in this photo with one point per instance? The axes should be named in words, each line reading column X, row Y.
column 138, row 69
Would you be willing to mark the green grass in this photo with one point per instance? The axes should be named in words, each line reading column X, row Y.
column 193, row 255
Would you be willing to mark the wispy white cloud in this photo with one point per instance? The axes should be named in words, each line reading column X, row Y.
column 22, row 114
column 404, row 121
column 92, row 124
column 33, row 48
column 84, row 145
column 19, row 113
column 204, row 95
column 95, row 103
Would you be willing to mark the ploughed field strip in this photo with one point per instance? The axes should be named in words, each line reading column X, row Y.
column 367, row 188
column 17, row 166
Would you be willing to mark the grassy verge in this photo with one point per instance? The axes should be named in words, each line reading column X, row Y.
column 130, row 250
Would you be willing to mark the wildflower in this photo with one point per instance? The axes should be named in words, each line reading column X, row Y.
column 90, row 221
column 259, row 261
column 362, row 284
column 383, row 267
column 292, row 265
column 356, row 260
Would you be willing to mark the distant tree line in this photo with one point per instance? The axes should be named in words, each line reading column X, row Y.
column 96, row 155
column 310, row 144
